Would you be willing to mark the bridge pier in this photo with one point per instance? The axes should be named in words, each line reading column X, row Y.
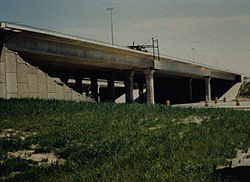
column 208, row 87
column 129, row 87
column 149, row 74
column 94, row 88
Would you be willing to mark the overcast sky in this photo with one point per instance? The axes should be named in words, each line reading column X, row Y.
column 213, row 32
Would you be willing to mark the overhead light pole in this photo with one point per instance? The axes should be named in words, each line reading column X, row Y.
column 112, row 37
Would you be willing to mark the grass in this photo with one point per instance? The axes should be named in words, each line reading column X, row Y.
column 118, row 142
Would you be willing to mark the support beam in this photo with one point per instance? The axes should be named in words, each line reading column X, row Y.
column 129, row 87
column 111, row 88
column 94, row 88
column 208, row 87
column 150, row 85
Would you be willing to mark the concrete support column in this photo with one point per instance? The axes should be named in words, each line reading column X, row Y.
column 208, row 87
column 78, row 80
column 129, row 87
column 111, row 88
column 94, row 88
column 141, row 95
column 190, row 90
column 150, row 85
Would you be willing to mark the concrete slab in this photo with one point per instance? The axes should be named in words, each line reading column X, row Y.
column 59, row 92
column 42, row 85
column 2, row 56
column 33, row 95
column 20, row 60
column 51, row 85
column 75, row 96
column 22, row 73
column 32, row 83
column 10, row 62
column 67, row 96
column 32, row 69
column 83, row 98
column 51, row 95
column 11, row 83
column 42, row 91
column 66, row 89
column 41, row 77
column 3, row 90
column 2, row 73
column 9, row 96
column 22, row 90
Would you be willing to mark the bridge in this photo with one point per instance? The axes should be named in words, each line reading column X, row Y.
column 44, row 64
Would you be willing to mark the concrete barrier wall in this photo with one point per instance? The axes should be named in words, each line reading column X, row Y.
column 19, row 79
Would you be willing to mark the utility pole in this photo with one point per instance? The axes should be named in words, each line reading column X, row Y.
column 112, row 38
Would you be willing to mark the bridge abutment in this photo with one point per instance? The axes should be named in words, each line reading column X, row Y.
column 19, row 79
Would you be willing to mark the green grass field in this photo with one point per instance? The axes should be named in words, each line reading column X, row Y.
column 117, row 142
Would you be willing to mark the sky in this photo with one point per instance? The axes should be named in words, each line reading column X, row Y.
column 212, row 32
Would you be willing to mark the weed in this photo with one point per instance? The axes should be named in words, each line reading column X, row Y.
column 119, row 142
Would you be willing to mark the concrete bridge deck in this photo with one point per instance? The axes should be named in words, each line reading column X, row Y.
column 65, row 57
